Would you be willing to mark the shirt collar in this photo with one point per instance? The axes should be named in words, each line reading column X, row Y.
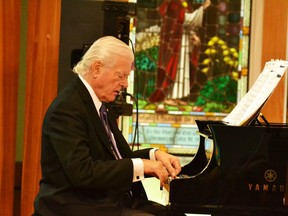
column 94, row 97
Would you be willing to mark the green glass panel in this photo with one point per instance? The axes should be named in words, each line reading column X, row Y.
column 222, row 20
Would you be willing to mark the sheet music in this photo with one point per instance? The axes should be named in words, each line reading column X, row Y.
column 256, row 97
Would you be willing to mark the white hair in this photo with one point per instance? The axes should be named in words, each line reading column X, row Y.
column 106, row 49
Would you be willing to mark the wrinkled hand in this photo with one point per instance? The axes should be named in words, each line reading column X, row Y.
column 170, row 162
column 165, row 166
column 156, row 169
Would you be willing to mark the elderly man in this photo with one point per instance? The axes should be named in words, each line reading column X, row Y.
column 87, row 166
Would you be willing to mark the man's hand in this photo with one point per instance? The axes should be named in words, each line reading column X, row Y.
column 156, row 169
column 170, row 162
column 165, row 166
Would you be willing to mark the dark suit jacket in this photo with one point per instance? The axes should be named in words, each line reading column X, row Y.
column 78, row 167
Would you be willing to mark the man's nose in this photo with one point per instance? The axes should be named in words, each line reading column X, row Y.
column 124, row 83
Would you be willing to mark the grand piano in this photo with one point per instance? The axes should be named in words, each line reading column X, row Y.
column 245, row 169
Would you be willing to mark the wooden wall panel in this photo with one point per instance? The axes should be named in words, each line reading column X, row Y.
column 41, row 87
column 274, row 47
column 9, row 69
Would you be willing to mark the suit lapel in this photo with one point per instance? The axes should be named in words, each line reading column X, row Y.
column 93, row 114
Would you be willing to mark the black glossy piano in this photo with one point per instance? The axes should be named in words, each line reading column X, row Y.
column 237, row 170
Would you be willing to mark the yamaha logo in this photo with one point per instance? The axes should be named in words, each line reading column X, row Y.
column 270, row 175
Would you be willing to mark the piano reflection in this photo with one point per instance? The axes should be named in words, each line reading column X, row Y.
column 246, row 172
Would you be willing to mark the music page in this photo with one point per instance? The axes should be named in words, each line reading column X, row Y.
column 251, row 103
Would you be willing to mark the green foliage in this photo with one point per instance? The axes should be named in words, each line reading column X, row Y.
column 146, row 59
column 218, row 94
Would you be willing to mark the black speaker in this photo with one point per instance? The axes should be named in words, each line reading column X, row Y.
column 82, row 22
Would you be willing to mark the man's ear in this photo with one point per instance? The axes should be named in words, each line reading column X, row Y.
column 95, row 68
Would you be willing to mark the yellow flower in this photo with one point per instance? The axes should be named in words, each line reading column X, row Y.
column 184, row 4
column 205, row 70
column 225, row 52
column 213, row 51
column 210, row 51
column 221, row 42
column 233, row 50
column 231, row 63
column 224, row 47
column 214, row 39
column 211, row 43
column 207, row 51
column 227, row 59
column 234, row 75
column 206, row 61
column 235, row 55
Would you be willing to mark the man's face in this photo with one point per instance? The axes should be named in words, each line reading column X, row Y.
column 110, row 80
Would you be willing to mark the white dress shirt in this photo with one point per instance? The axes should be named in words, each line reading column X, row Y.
column 138, row 166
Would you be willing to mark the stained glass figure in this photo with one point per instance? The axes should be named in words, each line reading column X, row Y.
column 177, row 41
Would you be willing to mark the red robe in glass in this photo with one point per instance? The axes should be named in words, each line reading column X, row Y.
column 173, row 14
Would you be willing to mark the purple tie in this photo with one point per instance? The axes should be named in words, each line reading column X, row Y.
column 104, row 118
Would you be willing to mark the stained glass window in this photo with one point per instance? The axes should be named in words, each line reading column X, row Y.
column 190, row 64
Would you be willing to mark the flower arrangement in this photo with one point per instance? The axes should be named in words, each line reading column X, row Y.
column 221, row 68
